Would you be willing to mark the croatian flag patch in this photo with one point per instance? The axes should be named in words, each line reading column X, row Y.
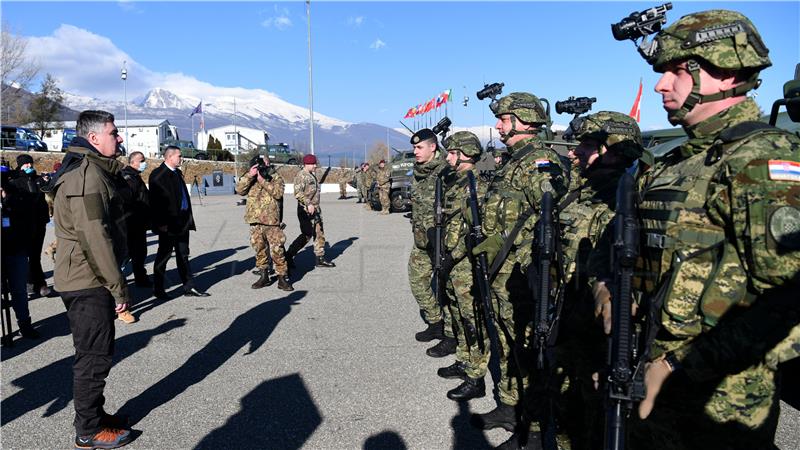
column 781, row 170
column 542, row 163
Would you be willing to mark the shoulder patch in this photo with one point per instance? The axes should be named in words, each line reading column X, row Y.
column 94, row 206
column 542, row 163
column 782, row 170
column 784, row 225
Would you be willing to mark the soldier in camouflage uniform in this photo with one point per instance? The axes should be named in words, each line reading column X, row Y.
column 609, row 142
column 472, row 354
column 359, row 181
column 346, row 177
column 367, row 183
column 384, row 181
column 428, row 165
column 721, row 251
column 512, row 205
column 307, row 192
column 263, row 215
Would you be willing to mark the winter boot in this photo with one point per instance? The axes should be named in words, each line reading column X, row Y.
column 453, row 371
column 264, row 280
column 322, row 262
column 283, row 283
column 503, row 416
column 446, row 346
column 434, row 331
column 469, row 389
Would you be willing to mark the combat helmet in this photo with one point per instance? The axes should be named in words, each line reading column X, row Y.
column 618, row 132
column 526, row 107
column 467, row 143
column 724, row 39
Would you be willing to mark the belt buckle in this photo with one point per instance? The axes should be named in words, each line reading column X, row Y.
column 656, row 240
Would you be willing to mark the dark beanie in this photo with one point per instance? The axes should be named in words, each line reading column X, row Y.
column 24, row 159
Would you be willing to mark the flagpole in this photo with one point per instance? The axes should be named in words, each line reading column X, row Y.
column 192, row 128
column 310, row 77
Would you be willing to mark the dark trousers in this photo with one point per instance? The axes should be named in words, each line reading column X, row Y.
column 35, row 273
column 91, row 321
column 306, row 231
column 166, row 243
column 137, row 249
column 15, row 273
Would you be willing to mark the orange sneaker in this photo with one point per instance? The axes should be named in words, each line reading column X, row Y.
column 126, row 317
column 105, row 438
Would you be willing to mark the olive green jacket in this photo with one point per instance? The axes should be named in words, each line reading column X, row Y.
column 90, row 226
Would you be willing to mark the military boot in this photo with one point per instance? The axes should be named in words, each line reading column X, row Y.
column 446, row 346
column 322, row 262
column 453, row 371
column 469, row 389
column 434, row 331
column 263, row 280
column 533, row 441
column 27, row 331
column 283, row 283
column 503, row 416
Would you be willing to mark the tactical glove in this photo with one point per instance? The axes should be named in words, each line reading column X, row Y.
column 491, row 246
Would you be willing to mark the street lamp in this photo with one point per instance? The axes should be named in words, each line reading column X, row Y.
column 124, row 76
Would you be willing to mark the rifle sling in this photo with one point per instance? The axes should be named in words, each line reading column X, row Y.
column 509, row 242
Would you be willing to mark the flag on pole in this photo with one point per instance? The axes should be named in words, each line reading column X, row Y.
column 198, row 110
column 446, row 96
column 636, row 110
column 411, row 113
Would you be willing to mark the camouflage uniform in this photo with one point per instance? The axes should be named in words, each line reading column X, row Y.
column 420, row 269
column 369, row 176
column 263, row 215
column 359, row 180
column 721, row 253
column 586, row 212
column 518, row 186
column 307, row 192
column 346, row 177
column 383, row 179
column 461, row 287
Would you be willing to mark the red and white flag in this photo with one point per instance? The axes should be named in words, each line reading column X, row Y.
column 636, row 109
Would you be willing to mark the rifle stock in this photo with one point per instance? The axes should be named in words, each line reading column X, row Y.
column 438, row 244
column 625, row 383
column 544, row 252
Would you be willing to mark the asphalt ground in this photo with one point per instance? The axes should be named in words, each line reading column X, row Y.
column 332, row 365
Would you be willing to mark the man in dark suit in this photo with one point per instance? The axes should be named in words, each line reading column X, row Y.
column 172, row 219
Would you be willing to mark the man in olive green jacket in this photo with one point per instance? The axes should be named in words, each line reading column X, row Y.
column 90, row 227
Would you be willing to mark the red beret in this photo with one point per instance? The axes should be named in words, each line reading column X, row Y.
column 309, row 159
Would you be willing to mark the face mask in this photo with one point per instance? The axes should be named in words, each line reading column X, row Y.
column 28, row 170
column 142, row 166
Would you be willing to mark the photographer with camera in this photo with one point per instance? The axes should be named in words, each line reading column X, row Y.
column 264, row 188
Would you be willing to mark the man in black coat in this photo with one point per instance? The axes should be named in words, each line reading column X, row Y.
column 138, row 216
column 34, row 219
column 171, row 209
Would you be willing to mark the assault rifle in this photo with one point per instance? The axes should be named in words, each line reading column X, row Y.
column 544, row 254
column 625, row 383
column 480, row 266
column 438, row 242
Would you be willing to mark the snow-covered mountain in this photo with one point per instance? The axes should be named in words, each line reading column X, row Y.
column 256, row 108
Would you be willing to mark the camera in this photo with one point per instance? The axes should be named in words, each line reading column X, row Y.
column 574, row 105
column 641, row 23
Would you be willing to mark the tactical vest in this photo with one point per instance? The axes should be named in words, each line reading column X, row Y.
column 504, row 201
column 688, row 265
column 454, row 198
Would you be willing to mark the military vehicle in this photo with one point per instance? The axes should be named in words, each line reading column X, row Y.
column 401, row 167
column 280, row 153
column 188, row 150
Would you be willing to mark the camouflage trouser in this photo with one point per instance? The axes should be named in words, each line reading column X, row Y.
column 309, row 229
column 469, row 328
column 343, row 189
column 420, row 272
column 383, row 193
column 270, row 238
column 364, row 192
column 512, row 311
column 739, row 411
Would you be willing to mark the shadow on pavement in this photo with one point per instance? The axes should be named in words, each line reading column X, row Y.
column 278, row 413
column 49, row 328
column 53, row 384
column 305, row 260
column 252, row 327
column 336, row 250
column 464, row 434
column 385, row 440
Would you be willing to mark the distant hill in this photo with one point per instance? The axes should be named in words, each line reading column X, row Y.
column 283, row 121
column 26, row 97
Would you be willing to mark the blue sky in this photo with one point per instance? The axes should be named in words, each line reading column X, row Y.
column 374, row 60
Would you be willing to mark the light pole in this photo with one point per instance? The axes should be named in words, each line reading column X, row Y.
column 124, row 76
column 310, row 78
